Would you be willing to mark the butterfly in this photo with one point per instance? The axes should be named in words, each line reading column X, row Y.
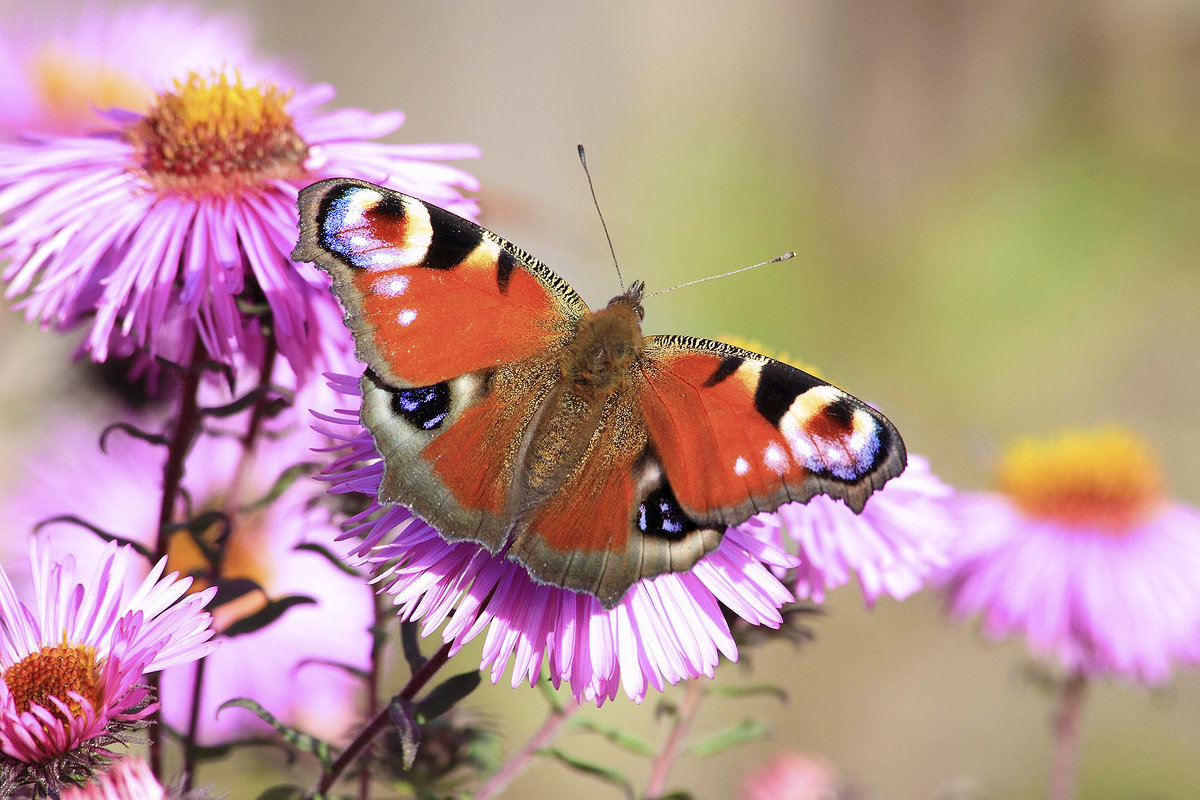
column 509, row 414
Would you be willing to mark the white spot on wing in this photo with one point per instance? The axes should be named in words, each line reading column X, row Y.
column 392, row 286
column 775, row 459
column 406, row 316
column 741, row 466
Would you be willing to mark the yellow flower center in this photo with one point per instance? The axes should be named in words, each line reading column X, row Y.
column 71, row 88
column 217, row 135
column 54, row 671
column 246, row 555
column 1107, row 479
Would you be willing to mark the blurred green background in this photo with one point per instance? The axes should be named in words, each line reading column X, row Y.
column 996, row 209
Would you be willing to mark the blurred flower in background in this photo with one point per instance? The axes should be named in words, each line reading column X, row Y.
column 898, row 541
column 794, row 776
column 59, row 64
column 73, row 662
column 111, row 493
column 1082, row 553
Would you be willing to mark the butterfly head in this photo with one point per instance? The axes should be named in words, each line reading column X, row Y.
column 632, row 298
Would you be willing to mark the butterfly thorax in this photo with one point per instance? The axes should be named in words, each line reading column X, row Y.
column 605, row 347
column 597, row 367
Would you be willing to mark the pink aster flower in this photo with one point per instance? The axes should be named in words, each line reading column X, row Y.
column 1082, row 554
column 72, row 663
column 179, row 224
column 899, row 540
column 58, row 65
column 128, row 779
column 666, row 629
column 270, row 665
column 793, row 776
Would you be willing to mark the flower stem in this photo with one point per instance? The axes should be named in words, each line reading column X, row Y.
column 189, row 760
column 378, row 641
column 381, row 720
column 187, row 422
column 1063, row 770
column 660, row 770
column 520, row 760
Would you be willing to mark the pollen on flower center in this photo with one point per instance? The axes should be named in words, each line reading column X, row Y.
column 212, row 136
column 55, row 671
column 1107, row 479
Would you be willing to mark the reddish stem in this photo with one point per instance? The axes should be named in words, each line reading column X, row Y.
column 522, row 758
column 380, row 722
column 660, row 770
column 186, row 424
column 1064, row 768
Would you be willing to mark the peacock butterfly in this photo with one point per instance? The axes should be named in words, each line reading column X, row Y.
column 510, row 415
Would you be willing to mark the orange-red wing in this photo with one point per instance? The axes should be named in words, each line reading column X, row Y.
column 428, row 294
column 738, row 432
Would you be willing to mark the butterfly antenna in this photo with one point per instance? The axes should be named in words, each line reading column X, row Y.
column 774, row 260
column 595, row 202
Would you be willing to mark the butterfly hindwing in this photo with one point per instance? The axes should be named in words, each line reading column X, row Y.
column 739, row 433
column 396, row 259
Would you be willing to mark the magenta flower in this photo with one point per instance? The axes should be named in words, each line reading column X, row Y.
column 179, row 225
column 57, row 69
column 666, row 629
column 72, row 664
column 128, row 779
column 1081, row 553
column 893, row 546
column 269, row 664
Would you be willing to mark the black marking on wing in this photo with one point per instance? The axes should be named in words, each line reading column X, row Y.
column 779, row 385
column 659, row 514
column 504, row 270
column 841, row 411
column 452, row 241
column 424, row 407
column 728, row 366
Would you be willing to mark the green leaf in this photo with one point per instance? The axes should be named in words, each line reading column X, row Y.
column 745, row 731
column 588, row 768
column 298, row 739
column 765, row 689
column 410, row 640
column 273, row 610
column 282, row 792
column 247, row 400
column 549, row 692
column 284, row 482
column 351, row 670
column 400, row 713
column 233, row 589
column 445, row 695
column 330, row 556
column 626, row 741
column 138, row 548
column 132, row 430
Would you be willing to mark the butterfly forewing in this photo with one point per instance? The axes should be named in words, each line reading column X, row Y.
column 396, row 260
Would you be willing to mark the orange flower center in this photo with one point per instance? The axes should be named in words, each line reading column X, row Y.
column 1107, row 480
column 54, row 671
column 214, row 136
column 245, row 555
